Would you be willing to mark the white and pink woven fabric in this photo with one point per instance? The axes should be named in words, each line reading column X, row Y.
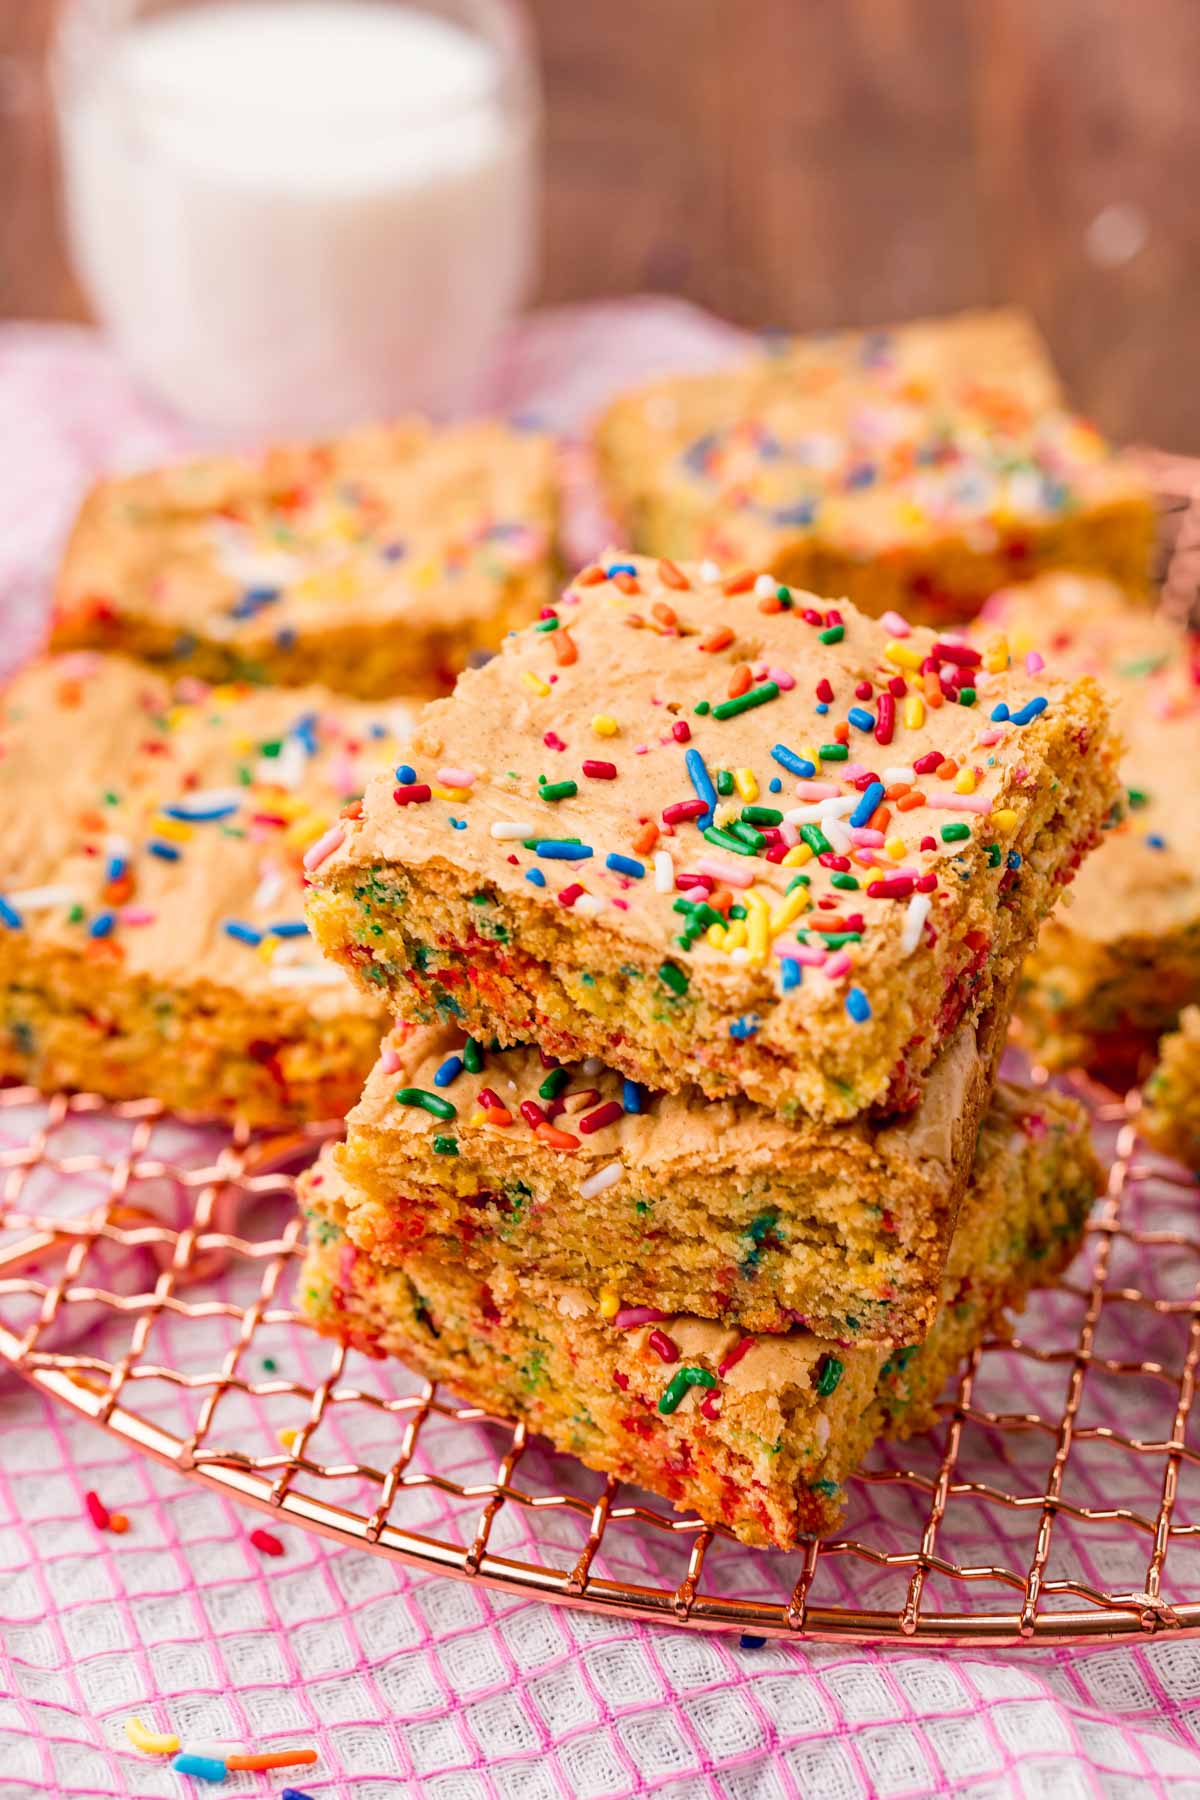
column 409, row 1684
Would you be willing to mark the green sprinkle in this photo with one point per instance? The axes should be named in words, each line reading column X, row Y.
column 849, row 882
column 955, row 834
column 673, row 977
column 832, row 940
column 816, row 840
column 445, row 1146
column 799, row 881
column 547, row 625
column 473, row 1056
column 269, row 1365
column 680, row 1382
column 784, row 594
column 992, row 852
column 76, row 914
column 833, row 634
column 554, row 1084
column 724, row 782
column 966, row 696
column 755, row 696
column 558, row 790
column 702, row 707
column 824, row 1486
column 1138, row 797
column 748, row 835
column 829, row 1373
column 762, row 815
column 834, row 753
column 737, row 912
column 430, row 1103
column 724, row 840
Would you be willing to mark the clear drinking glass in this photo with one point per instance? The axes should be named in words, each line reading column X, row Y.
column 295, row 214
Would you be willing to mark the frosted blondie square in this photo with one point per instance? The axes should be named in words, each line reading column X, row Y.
column 917, row 467
column 717, row 832
column 376, row 563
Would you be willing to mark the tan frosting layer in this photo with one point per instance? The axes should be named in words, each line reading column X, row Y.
column 93, row 748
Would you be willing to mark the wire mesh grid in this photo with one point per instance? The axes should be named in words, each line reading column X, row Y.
column 147, row 1269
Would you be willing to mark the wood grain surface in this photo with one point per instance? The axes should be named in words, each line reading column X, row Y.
column 808, row 163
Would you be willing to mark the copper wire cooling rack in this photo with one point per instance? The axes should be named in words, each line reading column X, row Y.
column 147, row 1271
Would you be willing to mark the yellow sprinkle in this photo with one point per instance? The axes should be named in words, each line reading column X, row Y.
column 715, row 935
column 790, row 908
column 535, row 682
column 758, row 924
column 306, row 831
column 478, row 1117
column 796, row 857
column 174, row 830
column 810, row 754
column 287, row 1436
column 914, row 712
column 995, row 655
column 604, row 725
column 736, row 935
column 610, row 1303
column 424, row 574
column 903, row 655
column 153, row 1743
column 1005, row 819
column 267, row 949
column 746, row 785
column 448, row 793
column 964, row 781
column 896, row 848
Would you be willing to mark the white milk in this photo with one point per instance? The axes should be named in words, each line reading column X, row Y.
column 292, row 214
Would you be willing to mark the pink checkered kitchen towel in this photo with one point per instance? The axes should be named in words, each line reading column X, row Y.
column 409, row 1684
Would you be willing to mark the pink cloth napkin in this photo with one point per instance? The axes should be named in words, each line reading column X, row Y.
column 407, row 1683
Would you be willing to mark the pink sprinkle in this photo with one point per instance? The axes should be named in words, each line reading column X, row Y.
column 837, row 965
column 389, row 1059
column 138, row 915
column 789, row 834
column 630, row 1316
column 324, row 847
column 1035, row 663
column 811, row 956
column 853, row 771
column 817, row 790
column 456, row 777
column 735, row 878
column 697, row 895
column 898, row 626
column 863, row 834
column 783, row 681
column 947, row 802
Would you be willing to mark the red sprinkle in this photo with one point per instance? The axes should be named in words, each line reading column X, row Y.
column 410, row 792
column 893, row 887
column 681, row 731
column 735, row 1355
column 824, row 691
column 885, row 719
column 600, row 771
column 608, row 1114
column 683, row 809
column 570, row 893
column 960, row 654
column 532, row 1113
column 710, row 1406
column 97, row 1511
column 925, row 765
column 664, row 1346
column 863, row 691
column 897, row 687
column 926, row 883
column 267, row 1542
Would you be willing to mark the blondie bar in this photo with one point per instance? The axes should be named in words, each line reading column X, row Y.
column 916, row 468
column 1171, row 1115
column 152, row 939
column 675, row 1202
column 758, row 1434
column 1113, row 968
column 376, row 563
column 717, row 832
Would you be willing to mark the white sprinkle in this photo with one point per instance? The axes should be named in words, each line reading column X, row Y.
column 206, row 799
column 309, row 974
column 914, row 923
column 740, row 955
column 591, row 1065
column 838, row 836
column 664, row 872
column 504, row 829
column 39, row 899
column 602, row 1179
column 822, row 810
column 888, row 776
column 287, row 770
column 589, row 905
column 765, row 586
column 269, row 890
column 710, row 571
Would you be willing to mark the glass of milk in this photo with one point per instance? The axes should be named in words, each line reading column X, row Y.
column 295, row 214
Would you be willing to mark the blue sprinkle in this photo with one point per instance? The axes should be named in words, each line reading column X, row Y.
column 305, row 729
column 253, row 601
column 556, row 850
column 620, row 569
column 795, row 765
column 288, row 928
column 406, row 774
column 116, row 867
column 858, row 1006
column 200, row 815
column 450, row 1071
column 775, row 785
column 536, row 876
column 285, row 637
column 801, row 514
column 1030, row 710
column 870, row 800
column 822, row 707
column 625, row 865
column 862, row 475
column 631, row 1096
column 245, row 934
column 393, row 552
column 999, row 713
column 1014, row 859
column 459, row 824
column 701, row 781
column 294, row 1794
column 749, row 1642
column 1156, row 841
column 791, row 973
column 858, row 715
column 10, row 916
column 102, row 924
column 208, row 1768
column 168, row 852
column 745, row 1027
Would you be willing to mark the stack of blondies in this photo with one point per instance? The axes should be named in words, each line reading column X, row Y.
column 702, row 907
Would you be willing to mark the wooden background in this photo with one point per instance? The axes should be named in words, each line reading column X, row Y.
column 821, row 162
